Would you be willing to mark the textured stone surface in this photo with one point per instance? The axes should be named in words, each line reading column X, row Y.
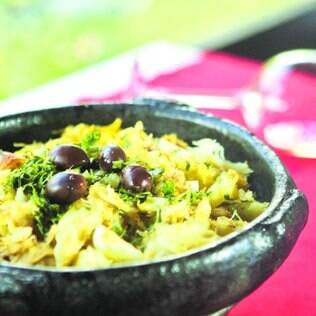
column 198, row 283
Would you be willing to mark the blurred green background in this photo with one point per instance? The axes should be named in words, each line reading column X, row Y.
column 41, row 40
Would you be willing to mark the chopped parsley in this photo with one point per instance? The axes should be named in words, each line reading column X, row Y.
column 118, row 164
column 132, row 197
column 93, row 176
column 90, row 143
column 187, row 165
column 168, row 189
column 32, row 177
column 33, row 174
column 197, row 196
column 47, row 215
column 118, row 225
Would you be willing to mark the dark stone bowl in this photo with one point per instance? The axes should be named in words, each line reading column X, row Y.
column 198, row 283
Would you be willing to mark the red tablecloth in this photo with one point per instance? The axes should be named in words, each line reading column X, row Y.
column 292, row 289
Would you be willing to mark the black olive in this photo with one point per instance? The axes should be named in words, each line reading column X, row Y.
column 69, row 156
column 110, row 154
column 66, row 187
column 136, row 179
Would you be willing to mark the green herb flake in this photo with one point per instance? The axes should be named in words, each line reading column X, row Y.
column 47, row 215
column 187, row 165
column 33, row 174
column 93, row 176
column 90, row 143
column 132, row 197
column 118, row 164
column 117, row 224
column 158, row 216
column 196, row 197
column 168, row 189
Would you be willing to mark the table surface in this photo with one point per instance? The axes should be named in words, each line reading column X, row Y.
column 291, row 290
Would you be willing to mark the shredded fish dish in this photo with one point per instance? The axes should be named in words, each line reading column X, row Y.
column 98, row 196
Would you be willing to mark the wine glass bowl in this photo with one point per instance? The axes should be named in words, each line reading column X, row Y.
column 278, row 105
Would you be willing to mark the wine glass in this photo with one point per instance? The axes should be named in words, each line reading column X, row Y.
column 280, row 104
